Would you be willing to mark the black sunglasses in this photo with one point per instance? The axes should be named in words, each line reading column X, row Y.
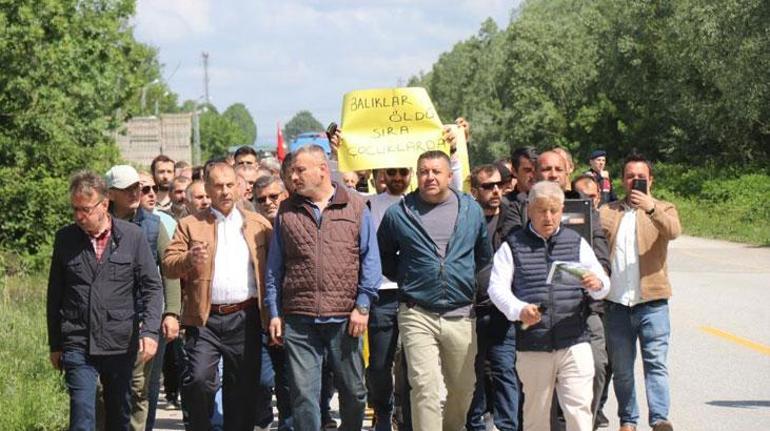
column 146, row 189
column 491, row 186
column 263, row 199
column 392, row 172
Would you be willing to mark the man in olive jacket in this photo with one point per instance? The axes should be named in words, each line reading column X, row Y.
column 104, row 300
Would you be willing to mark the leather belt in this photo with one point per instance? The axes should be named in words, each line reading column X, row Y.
column 232, row 308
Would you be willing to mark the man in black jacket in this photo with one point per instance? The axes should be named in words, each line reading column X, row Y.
column 495, row 335
column 104, row 300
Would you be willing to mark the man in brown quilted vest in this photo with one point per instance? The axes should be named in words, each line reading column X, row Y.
column 323, row 274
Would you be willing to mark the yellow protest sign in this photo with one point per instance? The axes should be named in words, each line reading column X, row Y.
column 388, row 127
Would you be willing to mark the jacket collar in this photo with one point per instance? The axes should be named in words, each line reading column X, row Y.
column 341, row 196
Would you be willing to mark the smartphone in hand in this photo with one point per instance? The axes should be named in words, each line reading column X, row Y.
column 331, row 130
column 639, row 184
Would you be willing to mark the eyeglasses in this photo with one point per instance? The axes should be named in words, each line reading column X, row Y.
column 146, row 189
column 87, row 210
column 491, row 186
column 273, row 197
column 392, row 172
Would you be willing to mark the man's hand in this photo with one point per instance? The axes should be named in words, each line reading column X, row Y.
column 55, row 358
column 275, row 330
column 465, row 126
column 449, row 137
column 335, row 141
column 641, row 200
column 357, row 324
column 170, row 327
column 199, row 253
column 591, row 282
column 529, row 315
column 147, row 349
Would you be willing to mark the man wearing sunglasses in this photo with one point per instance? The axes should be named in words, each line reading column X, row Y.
column 126, row 194
column 383, row 326
column 495, row 335
column 269, row 192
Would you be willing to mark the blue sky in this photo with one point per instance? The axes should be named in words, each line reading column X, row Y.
column 279, row 57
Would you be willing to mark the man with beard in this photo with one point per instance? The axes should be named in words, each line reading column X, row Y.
column 383, row 326
column 496, row 335
column 162, row 169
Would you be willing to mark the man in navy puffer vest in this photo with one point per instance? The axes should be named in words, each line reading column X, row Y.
column 552, row 344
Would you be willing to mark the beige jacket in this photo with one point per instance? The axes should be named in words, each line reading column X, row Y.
column 652, row 236
column 196, row 280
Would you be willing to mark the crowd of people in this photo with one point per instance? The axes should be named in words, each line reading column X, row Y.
column 250, row 278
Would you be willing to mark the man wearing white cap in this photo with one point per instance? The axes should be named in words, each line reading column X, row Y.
column 125, row 192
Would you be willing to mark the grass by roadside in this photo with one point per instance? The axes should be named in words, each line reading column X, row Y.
column 33, row 393
column 720, row 203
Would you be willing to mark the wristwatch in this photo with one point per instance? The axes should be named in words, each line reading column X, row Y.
column 362, row 309
column 651, row 211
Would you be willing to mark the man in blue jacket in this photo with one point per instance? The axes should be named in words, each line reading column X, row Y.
column 104, row 305
column 432, row 244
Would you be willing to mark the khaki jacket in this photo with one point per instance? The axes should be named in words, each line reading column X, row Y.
column 652, row 236
column 196, row 281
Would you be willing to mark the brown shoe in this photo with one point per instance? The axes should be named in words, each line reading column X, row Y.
column 663, row 426
column 627, row 427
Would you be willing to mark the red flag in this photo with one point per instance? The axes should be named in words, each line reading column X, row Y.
column 280, row 152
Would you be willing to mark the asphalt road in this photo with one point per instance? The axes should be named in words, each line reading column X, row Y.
column 719, row 360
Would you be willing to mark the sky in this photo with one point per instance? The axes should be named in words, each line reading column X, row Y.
column 283, row 56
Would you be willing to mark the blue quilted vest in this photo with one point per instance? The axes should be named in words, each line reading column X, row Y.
column 563, row 322
column 150, row 224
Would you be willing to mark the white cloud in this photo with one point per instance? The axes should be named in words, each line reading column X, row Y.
column 165, row 21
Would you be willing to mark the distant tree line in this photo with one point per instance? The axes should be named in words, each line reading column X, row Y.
column 679, row 80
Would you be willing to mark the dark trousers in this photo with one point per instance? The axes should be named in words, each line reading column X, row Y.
column 81, row 372
column 383, row 344
column 496, row 344
column 171, row 370
column 236, row 339
column 306, row 344
column 153, row 384
column 272, row 377
column 599, row 350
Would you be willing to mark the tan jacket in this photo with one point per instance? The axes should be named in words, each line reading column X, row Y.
column 196, row 286
column 652, row 236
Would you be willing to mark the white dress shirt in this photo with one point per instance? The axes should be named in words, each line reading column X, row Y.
column 501, row 280
column 233, row 280
column 626, row 289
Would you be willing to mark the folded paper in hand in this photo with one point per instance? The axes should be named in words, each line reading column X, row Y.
column 566, row 272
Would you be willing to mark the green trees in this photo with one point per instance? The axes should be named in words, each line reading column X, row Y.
column 302, row 121
column 684, row 80
column 71, row 70
column 240, row 116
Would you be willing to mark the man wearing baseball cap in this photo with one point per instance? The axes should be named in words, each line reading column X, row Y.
column 125, row 191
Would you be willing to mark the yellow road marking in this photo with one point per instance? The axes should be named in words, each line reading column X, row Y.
column 745, row 342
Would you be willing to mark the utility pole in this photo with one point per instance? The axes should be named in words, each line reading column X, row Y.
column 206, row 77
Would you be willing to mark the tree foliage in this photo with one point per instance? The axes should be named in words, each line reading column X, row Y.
column 71, row 71
column 682, row 81
column 301, row 122
column 238, row 114
column 218, row 133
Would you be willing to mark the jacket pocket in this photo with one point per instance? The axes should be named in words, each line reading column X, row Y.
column 120, row 267
column 118, row 329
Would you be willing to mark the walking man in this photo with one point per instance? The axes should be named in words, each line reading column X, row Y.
column 104, row 305
column 433, row 243
column 323, row 275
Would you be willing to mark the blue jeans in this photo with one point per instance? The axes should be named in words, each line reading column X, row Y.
column 306, row 344
column 496, row 344
column 81, row 371
column 649, row 322
column 383, row 337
